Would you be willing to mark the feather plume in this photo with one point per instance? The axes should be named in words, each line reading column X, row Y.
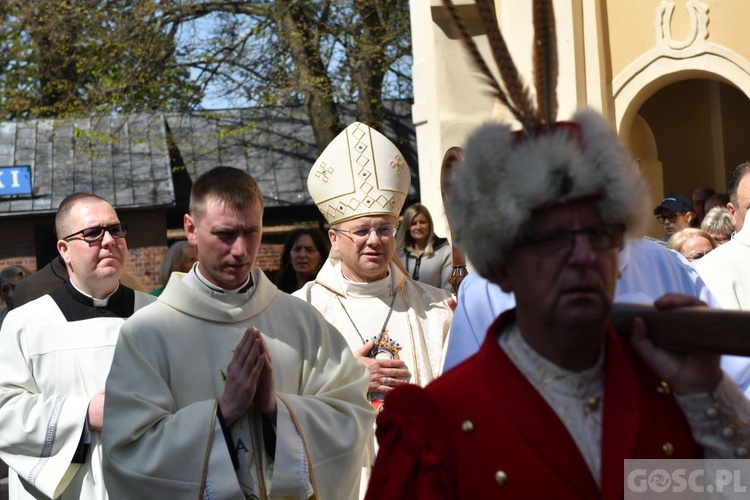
column 514, row 85
column 462, row 33
column 545, row 61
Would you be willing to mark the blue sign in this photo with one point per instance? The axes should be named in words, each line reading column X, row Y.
column 15, row 181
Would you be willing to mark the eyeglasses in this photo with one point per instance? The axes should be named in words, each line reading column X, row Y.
column 695, row 256
column 562, row 242
column 96, row 233
column 360, row 234
column 667, row 217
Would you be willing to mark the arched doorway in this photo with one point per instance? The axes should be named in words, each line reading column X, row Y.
column 688, row 134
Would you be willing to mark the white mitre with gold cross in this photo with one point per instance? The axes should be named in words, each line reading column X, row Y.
column 359, row 173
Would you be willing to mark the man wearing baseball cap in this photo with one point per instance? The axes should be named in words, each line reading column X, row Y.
column 675, row 213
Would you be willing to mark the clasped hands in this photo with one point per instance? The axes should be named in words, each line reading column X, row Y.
column 385, row 374
column 250, row 380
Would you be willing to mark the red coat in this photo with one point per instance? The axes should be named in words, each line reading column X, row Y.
column 450, row 439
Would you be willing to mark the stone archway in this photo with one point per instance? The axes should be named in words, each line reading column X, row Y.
column 688, row 134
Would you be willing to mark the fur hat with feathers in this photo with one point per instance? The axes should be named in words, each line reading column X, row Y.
column 503, row 180
column 505, row 176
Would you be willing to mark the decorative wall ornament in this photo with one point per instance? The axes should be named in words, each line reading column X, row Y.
column 698, row 12
column 670, row 58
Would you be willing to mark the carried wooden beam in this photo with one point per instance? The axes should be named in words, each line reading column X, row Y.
column 688, row 329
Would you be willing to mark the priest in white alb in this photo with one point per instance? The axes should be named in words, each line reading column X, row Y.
column 396, row 326
column 55, row 353
column 227, row 388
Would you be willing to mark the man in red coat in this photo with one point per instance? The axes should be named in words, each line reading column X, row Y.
column 554, row 401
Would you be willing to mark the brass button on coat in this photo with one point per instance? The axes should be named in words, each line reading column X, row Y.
column 501, row 477
column 467, row 426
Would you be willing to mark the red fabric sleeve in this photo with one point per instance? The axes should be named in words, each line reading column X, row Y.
column 411, row 462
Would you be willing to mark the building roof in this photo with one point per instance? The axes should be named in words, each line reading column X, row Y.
column 130, row 160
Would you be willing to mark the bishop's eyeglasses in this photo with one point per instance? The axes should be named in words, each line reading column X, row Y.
column 360, row 234
column 561, row 242
column 96, row 233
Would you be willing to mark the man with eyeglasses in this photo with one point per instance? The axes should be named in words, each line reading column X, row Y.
column 55, row 353
column 554, row 401
column 54, row 275
column 675, row 213
column 394, row 325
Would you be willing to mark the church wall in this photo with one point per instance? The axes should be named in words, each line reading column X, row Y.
column 611, row 59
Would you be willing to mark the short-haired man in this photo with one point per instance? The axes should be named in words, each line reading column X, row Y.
column 557, row 400
column 54, row 275
column 739, row 194
column 726, row 272
column 700, row 197
column 227, row 387
column 396, row 326
column 55, row 353
column 675, row 213
column 717, row 200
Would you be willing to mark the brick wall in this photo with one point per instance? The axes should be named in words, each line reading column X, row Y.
column 268, row 256
column 17, row 243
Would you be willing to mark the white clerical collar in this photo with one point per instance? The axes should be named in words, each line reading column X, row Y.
column 240, row 289
column 365, row 289
column 97, row 302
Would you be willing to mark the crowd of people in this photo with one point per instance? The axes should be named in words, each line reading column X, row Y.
column 227, row 385
column 357, row 374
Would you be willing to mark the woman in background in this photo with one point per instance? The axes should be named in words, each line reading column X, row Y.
column 304, row 252
column 426, row 257
column 718, row 223
column 180, row 257
column 692, row 243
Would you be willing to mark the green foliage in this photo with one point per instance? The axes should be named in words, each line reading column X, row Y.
column 62, row 58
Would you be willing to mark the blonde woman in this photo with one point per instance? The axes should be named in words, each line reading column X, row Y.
column 718, row 223
column 426, row 257
column 692, row 243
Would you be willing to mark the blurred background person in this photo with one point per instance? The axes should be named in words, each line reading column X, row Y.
column 303, row 255
column 674, row 212
column 426, row 257
column 692, row 243
column 718, row 223
column 700, row 196
column 717, row 200
column 180, row 257
column 9, row 278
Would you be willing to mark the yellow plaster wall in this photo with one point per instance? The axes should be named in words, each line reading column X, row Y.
column 630, row 25
column 728, row 24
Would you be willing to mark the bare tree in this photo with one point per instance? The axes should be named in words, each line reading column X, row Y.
column 320, row 53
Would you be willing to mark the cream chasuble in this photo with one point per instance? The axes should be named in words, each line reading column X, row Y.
column 418, row 323
column 162, row 437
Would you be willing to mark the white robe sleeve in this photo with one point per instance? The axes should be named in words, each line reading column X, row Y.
column 39, row 433
column 720, row 421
